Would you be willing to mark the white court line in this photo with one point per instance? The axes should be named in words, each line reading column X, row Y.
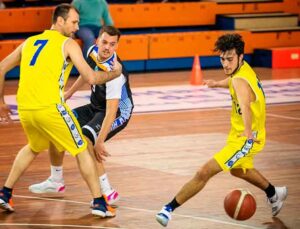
column 147, row 210
column 283, row 116
column 182, row 110
column 57, row 225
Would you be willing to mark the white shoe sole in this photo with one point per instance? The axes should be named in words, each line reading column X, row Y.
column 6, row 206
column 162, row 220
column 98, row 213
column 47, row 191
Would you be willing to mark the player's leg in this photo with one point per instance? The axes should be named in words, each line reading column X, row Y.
column 86, row 34
column 25, row 156
column 242, row 167
column 197, row 183
column 88, row 171
column 63, row 130
column 55, row 183
column 91, row 130
column 252, row 176
column 191, row 188
column 275, row 195
column 22, row 161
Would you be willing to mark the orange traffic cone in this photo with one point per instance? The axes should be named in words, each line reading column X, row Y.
column 196, row 77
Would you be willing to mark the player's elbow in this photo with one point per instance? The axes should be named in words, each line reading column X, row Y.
column 90, row 77
column 91, row 81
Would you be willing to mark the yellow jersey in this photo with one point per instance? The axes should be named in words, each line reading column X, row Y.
column 44, row 71
column 258, row 107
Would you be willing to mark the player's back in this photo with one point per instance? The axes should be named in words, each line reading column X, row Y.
column 43, row 71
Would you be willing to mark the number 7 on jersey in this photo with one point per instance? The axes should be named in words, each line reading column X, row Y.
column 41, row 44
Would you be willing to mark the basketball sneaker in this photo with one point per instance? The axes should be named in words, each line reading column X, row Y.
column 48, row 186
column 276, row 201
column 164, row 216
column 103, row 210
column 6, row 203
column 112, row 196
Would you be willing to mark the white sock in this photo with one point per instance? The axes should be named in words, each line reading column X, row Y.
column 57, row 173
column 104, row 183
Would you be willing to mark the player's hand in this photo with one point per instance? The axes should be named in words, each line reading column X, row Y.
column 5, row 112
column 211, row 83
column 116, row 68
column 249, row 135
column 100, row 152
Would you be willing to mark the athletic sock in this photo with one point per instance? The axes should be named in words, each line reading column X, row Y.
column 7, row 192
column 56, row 173
column 173, row 204
column 270, row 191
column 104, row 184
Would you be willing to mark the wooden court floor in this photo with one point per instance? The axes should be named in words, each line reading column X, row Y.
column 152, row 158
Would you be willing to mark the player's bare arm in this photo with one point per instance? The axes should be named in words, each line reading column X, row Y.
column 79, row 83
column 110, row 115
column 215, row 83
column 7, row 64
column 245, row 96
column 73, row 51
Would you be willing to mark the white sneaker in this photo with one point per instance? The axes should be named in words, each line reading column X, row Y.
column 276, row 201
column 164, row 216
column 48, row 186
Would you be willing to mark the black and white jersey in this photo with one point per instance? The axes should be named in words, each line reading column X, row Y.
column 117, row 88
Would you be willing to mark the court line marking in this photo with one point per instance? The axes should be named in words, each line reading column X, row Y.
column 57, row 225
column 271, row 114
column 283, row 116
column 146, row 210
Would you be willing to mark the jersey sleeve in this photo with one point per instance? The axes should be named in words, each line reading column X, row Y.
column 114, row 87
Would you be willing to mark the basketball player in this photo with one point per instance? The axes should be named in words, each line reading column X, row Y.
column 45, row 63
column 107, row 114
column 247, row 135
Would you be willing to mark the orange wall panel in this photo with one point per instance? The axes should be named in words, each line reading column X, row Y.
column 133, row 47
column 158, row 15
column 25, row 19
column 6, row 47
column 275, row 39
column 291, row 6
column 188, row 44
column 253, row 7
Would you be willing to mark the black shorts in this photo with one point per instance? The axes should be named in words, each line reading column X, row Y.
column 91, row 119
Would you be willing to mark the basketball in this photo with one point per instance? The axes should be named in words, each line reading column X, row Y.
column 240, row 204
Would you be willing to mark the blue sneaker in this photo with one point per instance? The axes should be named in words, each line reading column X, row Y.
column 6, row 203
column 164, row 216
column 103, row 211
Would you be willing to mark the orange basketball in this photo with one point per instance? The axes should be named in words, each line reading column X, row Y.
column 240, row 204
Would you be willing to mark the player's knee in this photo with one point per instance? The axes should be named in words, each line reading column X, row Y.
column 203, row 174
column 237, row 173
column 86, row 132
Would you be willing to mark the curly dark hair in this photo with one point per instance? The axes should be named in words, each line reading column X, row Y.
column 230, row 41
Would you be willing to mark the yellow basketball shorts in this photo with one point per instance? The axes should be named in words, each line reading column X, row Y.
column 55, row 124
column 238, row 153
